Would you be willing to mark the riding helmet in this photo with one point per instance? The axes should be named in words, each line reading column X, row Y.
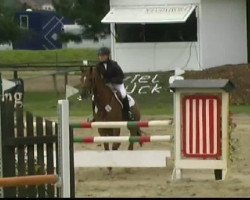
column 103, row 51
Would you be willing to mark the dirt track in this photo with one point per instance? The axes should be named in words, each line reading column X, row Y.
column 156, row 182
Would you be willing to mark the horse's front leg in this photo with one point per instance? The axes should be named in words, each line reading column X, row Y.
column 116, row 132
column 103, row 133
column 131, row 144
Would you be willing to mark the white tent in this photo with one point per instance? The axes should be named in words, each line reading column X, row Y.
column 217, row 30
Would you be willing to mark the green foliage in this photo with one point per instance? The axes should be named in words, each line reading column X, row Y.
column 87, row 13
column 70, row 37
column 8, row 27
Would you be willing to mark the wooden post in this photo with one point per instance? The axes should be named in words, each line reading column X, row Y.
column 15, row 75
column 1, row 166
column 65, row 81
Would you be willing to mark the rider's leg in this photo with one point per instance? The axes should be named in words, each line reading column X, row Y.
column 125, row 102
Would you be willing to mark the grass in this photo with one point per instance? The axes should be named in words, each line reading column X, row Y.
column 45, row 103
column 64, row 55
column 240, row 109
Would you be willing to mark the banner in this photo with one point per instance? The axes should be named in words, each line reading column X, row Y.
column 14, row 93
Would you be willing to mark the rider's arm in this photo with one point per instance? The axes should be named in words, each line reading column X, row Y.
column 119, row 75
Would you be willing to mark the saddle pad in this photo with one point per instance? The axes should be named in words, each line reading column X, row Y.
column 131, row 101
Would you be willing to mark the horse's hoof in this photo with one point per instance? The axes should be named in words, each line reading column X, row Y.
column 109, row 170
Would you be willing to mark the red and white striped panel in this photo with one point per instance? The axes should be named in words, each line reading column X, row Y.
column 201, row 126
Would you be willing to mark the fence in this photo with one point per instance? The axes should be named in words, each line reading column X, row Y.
column 31, row 151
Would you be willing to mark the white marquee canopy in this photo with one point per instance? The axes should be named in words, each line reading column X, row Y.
column 150, row 14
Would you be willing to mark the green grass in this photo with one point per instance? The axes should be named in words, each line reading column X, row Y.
column 45, row 104
column 240, row 109
column 64, row 55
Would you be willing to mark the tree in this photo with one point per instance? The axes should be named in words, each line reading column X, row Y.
column 87, row 13
column 8, row 27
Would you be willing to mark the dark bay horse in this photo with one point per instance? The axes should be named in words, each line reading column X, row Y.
column 108, row 107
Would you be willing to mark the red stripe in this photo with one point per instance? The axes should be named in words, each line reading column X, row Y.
column 143, row 124
column 219, row 118
column 204, row 117
column 211, row 134
column 201, row 136
column 191, row 126
column 88, row 139
column 197, row 127
column 183, row 125
column 144, row 139
column 86, row 125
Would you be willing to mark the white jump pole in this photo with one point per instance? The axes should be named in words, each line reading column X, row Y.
column 64, row 147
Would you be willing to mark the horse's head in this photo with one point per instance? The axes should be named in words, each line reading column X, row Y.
column 90, row 79
column 86, row 82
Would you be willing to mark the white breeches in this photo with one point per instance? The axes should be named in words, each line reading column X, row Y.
column 121, row 89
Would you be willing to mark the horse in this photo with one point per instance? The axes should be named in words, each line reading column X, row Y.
column 108, row 106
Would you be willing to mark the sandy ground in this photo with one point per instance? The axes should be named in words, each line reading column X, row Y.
column 156, row 182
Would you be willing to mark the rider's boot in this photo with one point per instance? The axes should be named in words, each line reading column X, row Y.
column 126, row 108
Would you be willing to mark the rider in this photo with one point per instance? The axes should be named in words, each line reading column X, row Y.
column 114, row 75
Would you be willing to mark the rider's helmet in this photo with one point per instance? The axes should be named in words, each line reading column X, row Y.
column 103, row 51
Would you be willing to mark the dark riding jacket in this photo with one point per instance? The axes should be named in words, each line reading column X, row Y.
column 113, row 73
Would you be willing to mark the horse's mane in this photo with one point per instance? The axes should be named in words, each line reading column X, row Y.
column 101, row 78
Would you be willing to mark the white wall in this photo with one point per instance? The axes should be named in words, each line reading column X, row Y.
column 141, row 57
column 161, row 56
column 222, row 38
column 223, row 32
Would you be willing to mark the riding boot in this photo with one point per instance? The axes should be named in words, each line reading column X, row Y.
column 126, row 108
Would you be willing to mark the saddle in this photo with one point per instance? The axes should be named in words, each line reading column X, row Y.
column 119, row 98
